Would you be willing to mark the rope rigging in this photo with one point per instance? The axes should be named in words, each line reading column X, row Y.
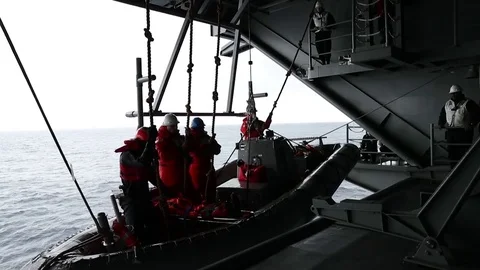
column 250, row 86
column 52, row 133
column 150, row 39
column 151, row 92
column 289, row 72
column 190, row 64
column 215, row 95
column 189, row 93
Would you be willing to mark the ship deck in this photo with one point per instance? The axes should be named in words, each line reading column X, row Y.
column 341, row 247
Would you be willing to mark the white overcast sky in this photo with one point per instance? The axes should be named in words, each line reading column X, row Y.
column 80, row 57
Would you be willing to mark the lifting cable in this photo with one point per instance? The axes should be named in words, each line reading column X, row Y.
column 250, row 120
column 289, row 72
column 386, row 104
column 151, row 92
column 69, row 166
column 215, row 96
column 189, row 94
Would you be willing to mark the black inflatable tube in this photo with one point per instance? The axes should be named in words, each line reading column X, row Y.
column 261, row 251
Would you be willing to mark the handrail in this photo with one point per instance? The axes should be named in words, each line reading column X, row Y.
column 434, row 143
column 381, row 157
column 365, row 34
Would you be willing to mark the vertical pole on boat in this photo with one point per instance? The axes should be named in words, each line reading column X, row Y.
column 69, row 167
column 139, row 93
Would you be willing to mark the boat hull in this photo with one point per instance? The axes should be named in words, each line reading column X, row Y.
column 284, row 214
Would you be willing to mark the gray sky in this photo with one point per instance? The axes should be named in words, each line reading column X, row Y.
column 80, row 57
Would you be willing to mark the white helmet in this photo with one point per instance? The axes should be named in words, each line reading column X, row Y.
column 170, row 120
column 318, row 5
column 455, row 89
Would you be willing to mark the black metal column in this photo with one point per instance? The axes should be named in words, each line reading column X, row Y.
column 171, row 63
column 139, row 92
column 233, row 71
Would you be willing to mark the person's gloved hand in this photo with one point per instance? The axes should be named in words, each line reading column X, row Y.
column 240, row 163
column 152, row 133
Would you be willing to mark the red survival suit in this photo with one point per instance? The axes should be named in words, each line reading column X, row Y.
column 257, row 171
column 201, row 149
column 171, row 160
column 257, row 128
column 136, row 171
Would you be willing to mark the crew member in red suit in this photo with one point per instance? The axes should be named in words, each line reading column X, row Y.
column 256, row 170
column 257, row 127
column 170, row 147
column 201, row 148
column 136, row 170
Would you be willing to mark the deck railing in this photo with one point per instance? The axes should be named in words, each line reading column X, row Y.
column 363, row 35
column 435, row 144
column 390, row 158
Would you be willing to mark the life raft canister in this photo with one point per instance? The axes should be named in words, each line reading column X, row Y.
column 125, row 234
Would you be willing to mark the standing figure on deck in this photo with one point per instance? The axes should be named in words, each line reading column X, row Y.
column 201, row 148
column 323, row 24
column 136, row 170
column 369, row 144
column 459, row 115
column 257, row 127
column 381, row 20
column 170, row 148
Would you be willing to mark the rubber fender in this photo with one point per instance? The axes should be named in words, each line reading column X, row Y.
column 328, row 176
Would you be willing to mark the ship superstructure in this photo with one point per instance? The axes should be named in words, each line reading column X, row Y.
column 391, row 82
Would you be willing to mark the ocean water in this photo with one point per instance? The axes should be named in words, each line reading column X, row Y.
column 39, row 204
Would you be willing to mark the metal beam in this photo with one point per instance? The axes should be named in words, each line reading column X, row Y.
column 179, row 13
column 233, row 71
column 133, row 114
column 171, row 63
column 448, row 199
column 227, row 50
column 383, row 105
column 205, row 5
column 240, row 11
column 278, row 35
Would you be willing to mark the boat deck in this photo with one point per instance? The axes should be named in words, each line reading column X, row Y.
column 340, row 247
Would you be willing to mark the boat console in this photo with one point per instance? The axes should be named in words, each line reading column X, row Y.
column 273, row 170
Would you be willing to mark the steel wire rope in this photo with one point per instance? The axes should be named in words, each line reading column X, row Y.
column 250, row 119
column 52, row 133
column 386, row 104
